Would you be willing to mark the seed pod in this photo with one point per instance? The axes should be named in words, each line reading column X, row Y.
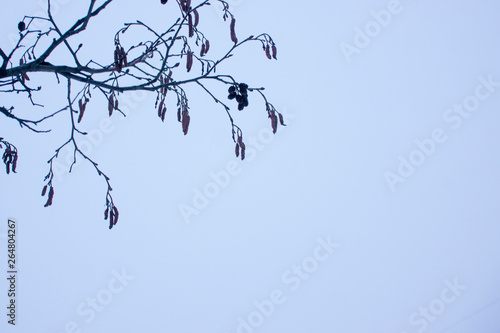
column 207, row 46
column 268, row 53
column 275, row 51
column 163, row 113
column 274, row 122
column 231, row 96
column 233, row 32
column 281, row 119
column 189, row 61
column 115, row 213
column 237, row 150
column 163, row 2
column 179, row 114
column 106, row 212
column 110, row 105
column 160, row 108
column 21, row 26
column 190, row 26
column 123, row 55
column 202, row 51
column 51, row 195
column 183, row 5
column 14, row 163
column 116, row 59
column 242, row 145
column 111, row 219
column 196, row 17
column 44, row 190
column 116, row 104
column 185, row 121
column 81, row 106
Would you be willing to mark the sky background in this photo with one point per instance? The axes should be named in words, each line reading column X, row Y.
column 307, row 234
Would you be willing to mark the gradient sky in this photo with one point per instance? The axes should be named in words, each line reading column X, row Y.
column 374, row 210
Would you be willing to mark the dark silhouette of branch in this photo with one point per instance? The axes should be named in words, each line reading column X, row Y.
column 151, row 65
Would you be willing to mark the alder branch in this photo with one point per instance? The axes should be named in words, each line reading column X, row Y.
column 152, row 65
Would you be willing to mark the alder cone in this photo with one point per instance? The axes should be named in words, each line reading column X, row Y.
column 163, row 2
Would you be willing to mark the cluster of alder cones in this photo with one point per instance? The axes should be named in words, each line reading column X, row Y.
column 240, row 92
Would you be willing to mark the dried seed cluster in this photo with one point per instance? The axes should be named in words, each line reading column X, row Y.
column 240, row 93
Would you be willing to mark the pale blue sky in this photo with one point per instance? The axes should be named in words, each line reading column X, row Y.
column 307, row 234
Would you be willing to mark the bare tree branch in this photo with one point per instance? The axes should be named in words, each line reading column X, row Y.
column 152, row 65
